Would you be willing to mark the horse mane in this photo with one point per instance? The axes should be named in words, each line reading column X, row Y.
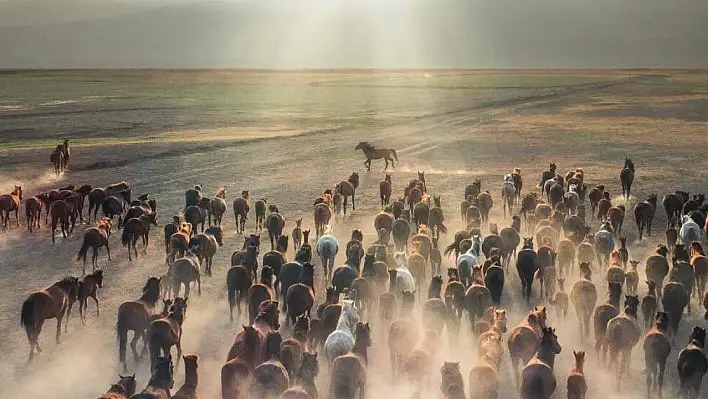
column 67, row 281
column 367, row 144
column 265, row 310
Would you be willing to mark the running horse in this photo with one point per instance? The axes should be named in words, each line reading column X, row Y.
column 371, row 152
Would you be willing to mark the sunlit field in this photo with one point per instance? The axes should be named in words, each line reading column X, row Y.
column 288, row 136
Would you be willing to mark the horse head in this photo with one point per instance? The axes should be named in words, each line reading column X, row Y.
column 18, row 192
column 349, row 313
column 698, row 336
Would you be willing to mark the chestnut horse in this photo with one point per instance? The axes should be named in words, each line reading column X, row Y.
column 8, row 203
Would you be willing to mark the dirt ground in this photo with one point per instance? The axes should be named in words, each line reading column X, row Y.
column 659, row 120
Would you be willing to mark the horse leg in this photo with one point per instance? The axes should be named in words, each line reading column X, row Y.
column 353, row 205
column 60, row 317
column 386, row 160
column 345, row 205
column 98, row 311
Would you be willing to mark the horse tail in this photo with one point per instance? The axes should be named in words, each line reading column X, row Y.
column 442, row 228
column 231, row 288
column 122, row 335
column 450, row 248
column 126, row 236
column 27, row 315
column 394, row 154
column 81, row 256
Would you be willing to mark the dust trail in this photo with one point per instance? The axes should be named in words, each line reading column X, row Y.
column 28, row 181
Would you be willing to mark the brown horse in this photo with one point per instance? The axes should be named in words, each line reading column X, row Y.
column 371, row 152
column 138, row 227
column 135, row 316
column 623, row 333
column 123, row 389
column 48, row 303
column 217, row 207
column 577, row 385
column 241, row 208
column 188, row 390
column 348, row 375
column 644, row 214
column 166, row 332
column 57, row 160
column 524, row 339
column 8, row 203
column 322, row 216
column 347, row 188
column 161, row 381
column 33, row 211
column 88, row 288
column 179, row 241
column 537, row 378
column 252, row 339
column 95, row 238
column 657, row 347
column 385, row 190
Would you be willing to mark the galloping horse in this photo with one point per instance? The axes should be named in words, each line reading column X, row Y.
column 371, row 152
column 8, row 203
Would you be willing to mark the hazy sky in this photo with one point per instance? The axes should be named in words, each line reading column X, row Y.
column 354, row 33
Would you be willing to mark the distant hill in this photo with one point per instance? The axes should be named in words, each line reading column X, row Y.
column 345, row 33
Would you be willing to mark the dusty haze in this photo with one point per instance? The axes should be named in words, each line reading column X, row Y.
column 349, row 33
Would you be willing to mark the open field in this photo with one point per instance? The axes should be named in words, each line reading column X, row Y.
column 287, row 136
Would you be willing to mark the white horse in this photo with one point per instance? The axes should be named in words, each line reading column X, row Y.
column 508, row 193
column 690, row 231
column 404, row 278
column 341, row 340
column 467, row 260
column 327, row 247
column 573, row 196
column 604, row 244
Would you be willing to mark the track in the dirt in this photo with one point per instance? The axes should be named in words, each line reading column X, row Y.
column 290, row 172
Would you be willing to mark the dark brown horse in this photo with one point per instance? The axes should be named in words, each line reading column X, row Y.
column 135, row 316
column 252, row 340
column 161, row 381
column 95, row 238
column 371, row 152
column 48, row 303
column 188, row 390
column 88, row 288
column 346, row 189
column 385, row 190
column 238, row 280
column 627, row 177
column 241, row 208
column 33, row 211
column 644, row 214
column 138, row 228
column 166, row 332
column 123, row 389
column 9, row 203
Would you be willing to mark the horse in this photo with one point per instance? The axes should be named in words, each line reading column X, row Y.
column 166, row 332
column 692, row 364
column 576, row 383
column 524, row 339
column 348, row 374
column 249, row 344
column 673, row 204
column 138, row 227
column 385, row 191
column 65, row 152
column 48, row 303
column 674, row 299
column 583, row 294
column 292, row 349
column 327, row 248
column 690, row 231
column 341, row 340
column 604, row 244
column 623, row 333
column 88, row 288
column 238, row 280
column 179, row 241
column 95, row 238
column 188, row 390
column 537, row 378
column 346, row 189
column 644, row 214
column 527, row 265
column 371, row 152
column 627, row 177
column 217, row 206
column 161, row 380
column 270, row 378
column 57, row 160
column 241, row 208
column 301, row 296
column 508, row 193
column 33, row 212
column 208, row 242
column 116, row 205
column 186, row 270
column 275, row 223
column 123, row 389
column 8, row 203
column 467, row 260
column 657, row 347
column 135, row 316
column 322, row 217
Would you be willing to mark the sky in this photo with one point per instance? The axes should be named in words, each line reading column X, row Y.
column 353, row 33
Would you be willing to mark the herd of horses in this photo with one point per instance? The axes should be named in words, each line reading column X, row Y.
column 549, row 235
